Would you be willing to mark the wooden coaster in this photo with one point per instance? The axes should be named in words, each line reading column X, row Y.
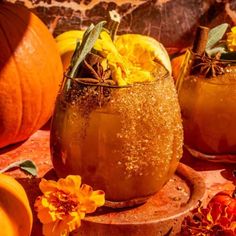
column 161, row 215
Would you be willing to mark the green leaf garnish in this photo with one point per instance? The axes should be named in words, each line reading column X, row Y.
column 88, row 41
column 215, row 35
column 27, row 166
column 218, row 49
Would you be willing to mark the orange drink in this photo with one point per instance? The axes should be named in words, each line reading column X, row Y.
column 126, row 140
column 209, row 112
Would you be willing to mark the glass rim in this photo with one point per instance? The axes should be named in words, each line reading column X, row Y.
column 217, row 81
column 164, row 76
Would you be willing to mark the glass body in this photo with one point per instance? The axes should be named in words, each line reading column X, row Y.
column 208, row 107
column 126, row 141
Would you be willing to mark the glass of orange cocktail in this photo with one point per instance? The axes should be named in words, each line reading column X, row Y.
column 209, row 113
column 120, row 127
column 207, row 92
column 128, row 143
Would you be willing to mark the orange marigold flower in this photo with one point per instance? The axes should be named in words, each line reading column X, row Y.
column 64, row 203
column 217, row 219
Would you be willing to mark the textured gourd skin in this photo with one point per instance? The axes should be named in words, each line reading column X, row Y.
column 30, row 73
column 15, row 212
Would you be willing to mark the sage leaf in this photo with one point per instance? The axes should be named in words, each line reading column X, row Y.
column 216, row 34
column 78, row 44
column 74, row 56
column 72, row 62
column 213, row 51
column 27, row 166
column 88, row 41
column 88, row 30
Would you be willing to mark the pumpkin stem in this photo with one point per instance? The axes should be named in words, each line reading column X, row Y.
column 113, row 23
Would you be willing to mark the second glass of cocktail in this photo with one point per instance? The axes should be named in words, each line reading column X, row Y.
column 207, row 93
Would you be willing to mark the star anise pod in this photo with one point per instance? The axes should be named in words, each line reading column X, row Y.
column 93, row 72
column 208, row 66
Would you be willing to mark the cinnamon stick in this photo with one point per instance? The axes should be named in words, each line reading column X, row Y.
column 200, row 41
column 199, row 46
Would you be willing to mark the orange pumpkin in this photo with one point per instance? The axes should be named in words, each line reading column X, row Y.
column 15, row 213
column 176, row 63
column 30, row 73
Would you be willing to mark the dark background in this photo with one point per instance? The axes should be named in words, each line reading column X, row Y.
column 173, row 22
